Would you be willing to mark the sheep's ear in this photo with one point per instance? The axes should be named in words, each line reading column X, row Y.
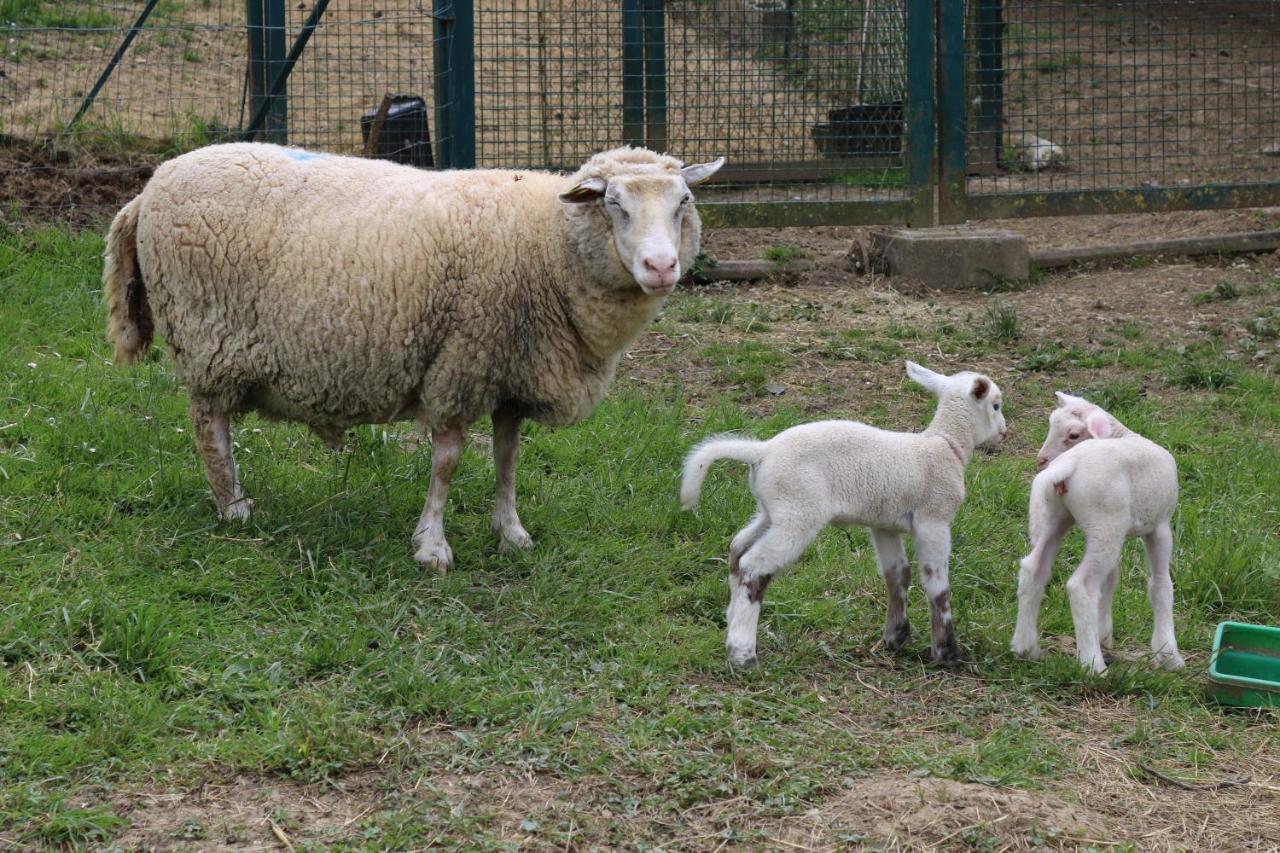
column 589, row 190
column 980, row 388
column 699, row 172
column 1098, row 424
column 926, row 377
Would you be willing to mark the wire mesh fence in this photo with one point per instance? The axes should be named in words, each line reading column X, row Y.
column 819, row 105
column 1141, row 94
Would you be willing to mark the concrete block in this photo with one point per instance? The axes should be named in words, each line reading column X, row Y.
column 954, row 257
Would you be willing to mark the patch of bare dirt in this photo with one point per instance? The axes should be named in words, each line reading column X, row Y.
column 75, row 187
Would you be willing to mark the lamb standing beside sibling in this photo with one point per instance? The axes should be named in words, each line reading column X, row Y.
column 1114, row 488
column 338, row 291
column 845, row 474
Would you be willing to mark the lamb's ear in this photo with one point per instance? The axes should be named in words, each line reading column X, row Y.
column 1098, row 424
column 699, row 172
column 589, row 190
column 1065, row 400
column 980, row 388
column 926, row 377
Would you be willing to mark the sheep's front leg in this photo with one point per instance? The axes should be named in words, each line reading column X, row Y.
column 778, row 546
column 1037, row 567
column 213, row 440
column 506, row 447
column 933, row 552
column 432, row 548
column 1164, row 644
column 891, row 557
column 1106, row 626
column 1084, row 590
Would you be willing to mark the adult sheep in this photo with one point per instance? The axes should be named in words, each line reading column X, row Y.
column 338, row 291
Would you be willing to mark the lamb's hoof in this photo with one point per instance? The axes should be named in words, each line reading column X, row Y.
column 435, row 553
column 1029, row 651
column 1108, row 657
column 744, row 664
column 237, row 510
column 949, row 655
column 897, row 638
column 1097, row 666
column 1170, row 661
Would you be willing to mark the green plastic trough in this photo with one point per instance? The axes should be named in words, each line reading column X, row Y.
column 1245, row 667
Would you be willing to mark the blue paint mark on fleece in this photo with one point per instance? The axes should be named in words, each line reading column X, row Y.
column 303, row 156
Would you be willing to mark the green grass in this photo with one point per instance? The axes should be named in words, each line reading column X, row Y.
column 144, row 643
column 55, row 14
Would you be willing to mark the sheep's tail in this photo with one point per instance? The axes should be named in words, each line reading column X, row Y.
column 699, row 460
column 1044, row 491
column 129, row 321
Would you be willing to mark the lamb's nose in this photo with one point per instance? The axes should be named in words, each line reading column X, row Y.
column 1041, row 462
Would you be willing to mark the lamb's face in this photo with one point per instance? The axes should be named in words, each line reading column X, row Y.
column 1075, row 420
column 652, row 220
column 983, row 397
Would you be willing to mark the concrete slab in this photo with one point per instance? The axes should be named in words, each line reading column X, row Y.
column 954, row 257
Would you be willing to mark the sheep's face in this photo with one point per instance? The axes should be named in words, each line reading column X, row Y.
column 1075, row 420
column 979, row 393
column 652, row 219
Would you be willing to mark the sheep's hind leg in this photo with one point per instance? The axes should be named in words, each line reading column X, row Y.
column 1164, row 644
column 506, row 447
column 432, row 548
column 933, row 551
column 1106, row 627
column 1036, row 567
column 1084, row 590
column 777, row 547
column 891, row 557
column 213, row 440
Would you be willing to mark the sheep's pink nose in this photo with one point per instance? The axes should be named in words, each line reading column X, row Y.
column 1041, row 462
column 662, row 266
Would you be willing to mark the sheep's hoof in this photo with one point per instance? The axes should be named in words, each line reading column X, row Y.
column 745, row 664
column 435, row 552
column 1170, row 660
column 237, row 510
column 897, row 638
column 514, row 538
column 1097, row 666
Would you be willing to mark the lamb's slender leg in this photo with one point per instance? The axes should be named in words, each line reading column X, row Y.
column 1084, row 590
column 1037, row 567
column 1160, row 590
column 777, row 547
column 1105, row 627
column 506, row 447
column 891, row 557
column 933, row 552
column 744, row 539
column 213, row 440
column 432, row 548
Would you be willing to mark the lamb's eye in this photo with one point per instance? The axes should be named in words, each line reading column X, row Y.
column 995, row 406
column 1072, row 436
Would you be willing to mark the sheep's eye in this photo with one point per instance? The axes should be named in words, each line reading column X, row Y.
column 1073, row 436
column 995, row 406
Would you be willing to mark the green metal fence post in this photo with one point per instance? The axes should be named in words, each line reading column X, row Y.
column 655, row 75
column 633, row 72
column 951, row 112
column 988, row 42
column 266, row 22
column 455, row 83
column 921, row 139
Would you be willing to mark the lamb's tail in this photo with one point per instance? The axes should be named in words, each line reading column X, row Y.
column 1049, row 485
column 129, row 321
column 709, row 450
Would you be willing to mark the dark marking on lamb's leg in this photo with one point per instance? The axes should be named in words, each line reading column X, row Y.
column 1060, row 489
column 506, row 448
column 212, row 428
column 432, row 547
column 756, row 587
column 942, row 630
column 891, row 559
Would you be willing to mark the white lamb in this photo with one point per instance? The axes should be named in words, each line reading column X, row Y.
column 338, row 291
column 846, row 473
column 1115, row 489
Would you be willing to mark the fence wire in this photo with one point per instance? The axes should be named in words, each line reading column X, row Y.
column 806, row 98
column 1128, row 94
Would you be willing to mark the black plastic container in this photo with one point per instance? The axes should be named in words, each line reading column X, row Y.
column 862, row 130
column 405, row 137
